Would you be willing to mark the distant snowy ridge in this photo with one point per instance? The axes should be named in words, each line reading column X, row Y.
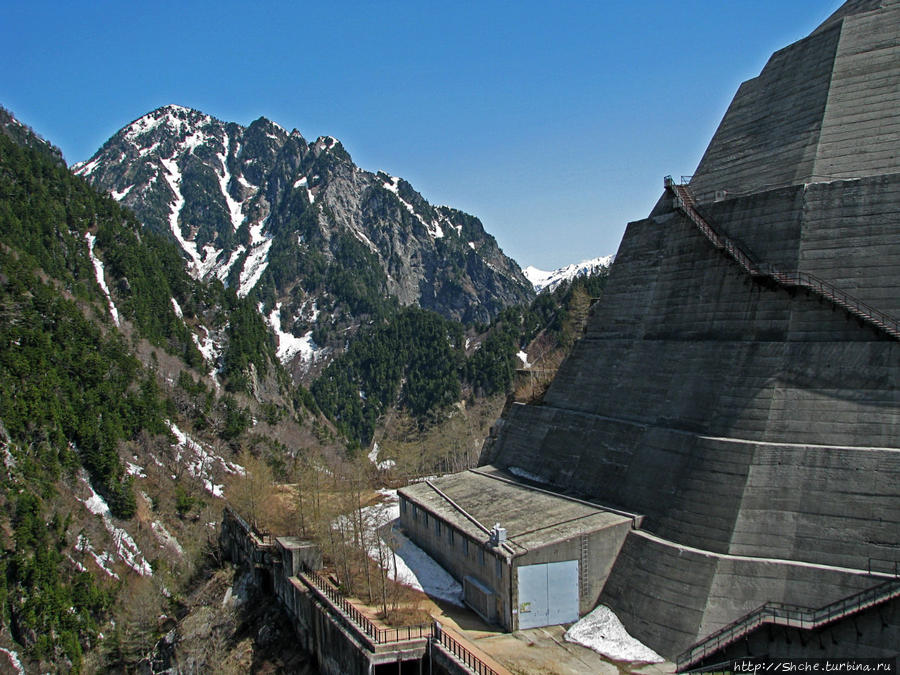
column 548, row 281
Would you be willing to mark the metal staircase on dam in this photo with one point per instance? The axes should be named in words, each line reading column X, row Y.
column 685, row 203
column 780, row 614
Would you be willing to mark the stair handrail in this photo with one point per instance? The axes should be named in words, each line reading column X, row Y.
column 684, row 201
column 787, row 615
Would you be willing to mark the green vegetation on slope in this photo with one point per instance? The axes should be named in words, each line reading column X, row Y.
column 416, row 360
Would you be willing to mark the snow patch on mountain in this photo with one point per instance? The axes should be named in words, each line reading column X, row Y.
column 200, row 462
column 126, row 548
column 223, row 270
column 254, row 266
column 98, row 273
column 383, row 465
column 104, row 561
column 289, row 345
column 13, row 658
column 393, row 185
column 235, row 208
column 548, row 281
column 119, row 196
column 165, row 538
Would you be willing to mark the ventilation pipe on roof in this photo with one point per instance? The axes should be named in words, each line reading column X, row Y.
column 498, row 535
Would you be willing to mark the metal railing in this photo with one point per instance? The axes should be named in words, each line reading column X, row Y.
column 377, row 634
column 465, row 656
column 883, row 566
column 262, row 538
column 781, row 614
column 355, row 620
column 684, row 202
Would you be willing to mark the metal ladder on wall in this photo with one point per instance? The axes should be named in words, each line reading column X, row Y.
column 583, row 565
column 685, row 203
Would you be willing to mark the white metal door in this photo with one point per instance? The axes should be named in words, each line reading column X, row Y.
column 548, row 593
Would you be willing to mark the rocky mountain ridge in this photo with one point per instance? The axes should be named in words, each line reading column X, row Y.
column 318, row 241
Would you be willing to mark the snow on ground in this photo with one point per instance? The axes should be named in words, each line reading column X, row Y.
column 301, row 182
column 210, row 261
column 195, row 140
column 256, row 262
column 119, row 196
column 364, row 239
column 98, row 273
column 289, row 345
column 104, row 561
column 143, row 152
column 13, row 659
column 602, row 631
column 547, row 281
column 78, row 565
column 383, row 465
column 177, row 308
column 523, row 357
column 200, row 462
column 135, row 470
column 86, row 168
column 256, row 232
column 235, row 208
column 414, row 567
column 126, row 549
column 165, row 537
column 393, row 185
column 223, row 270
column 172, row 174
column 208, row 347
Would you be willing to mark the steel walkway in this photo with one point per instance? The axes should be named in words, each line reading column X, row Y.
column 779, row 614
column 684, row 202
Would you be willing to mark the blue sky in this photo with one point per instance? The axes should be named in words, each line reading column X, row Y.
column 552, row 122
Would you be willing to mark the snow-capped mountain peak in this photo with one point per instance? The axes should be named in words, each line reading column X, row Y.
column 548, row 281
column 267, row 212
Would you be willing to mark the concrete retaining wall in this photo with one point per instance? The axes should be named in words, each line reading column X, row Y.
column 669, row 596
column 339, row 647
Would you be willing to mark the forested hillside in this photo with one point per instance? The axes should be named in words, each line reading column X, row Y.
column 135, row 397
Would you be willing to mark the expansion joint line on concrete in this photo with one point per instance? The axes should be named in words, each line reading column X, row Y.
column 684, row 202
column 777, row 561
column 779, row 614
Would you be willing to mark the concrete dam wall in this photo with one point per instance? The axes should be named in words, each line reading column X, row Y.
column 755, row 425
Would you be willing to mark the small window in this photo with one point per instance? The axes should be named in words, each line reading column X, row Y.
column 465, row 547
column 426, row 518
column 437, row 527
column 450, row 535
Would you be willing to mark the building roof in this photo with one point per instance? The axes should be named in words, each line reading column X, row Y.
column 474, row 501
